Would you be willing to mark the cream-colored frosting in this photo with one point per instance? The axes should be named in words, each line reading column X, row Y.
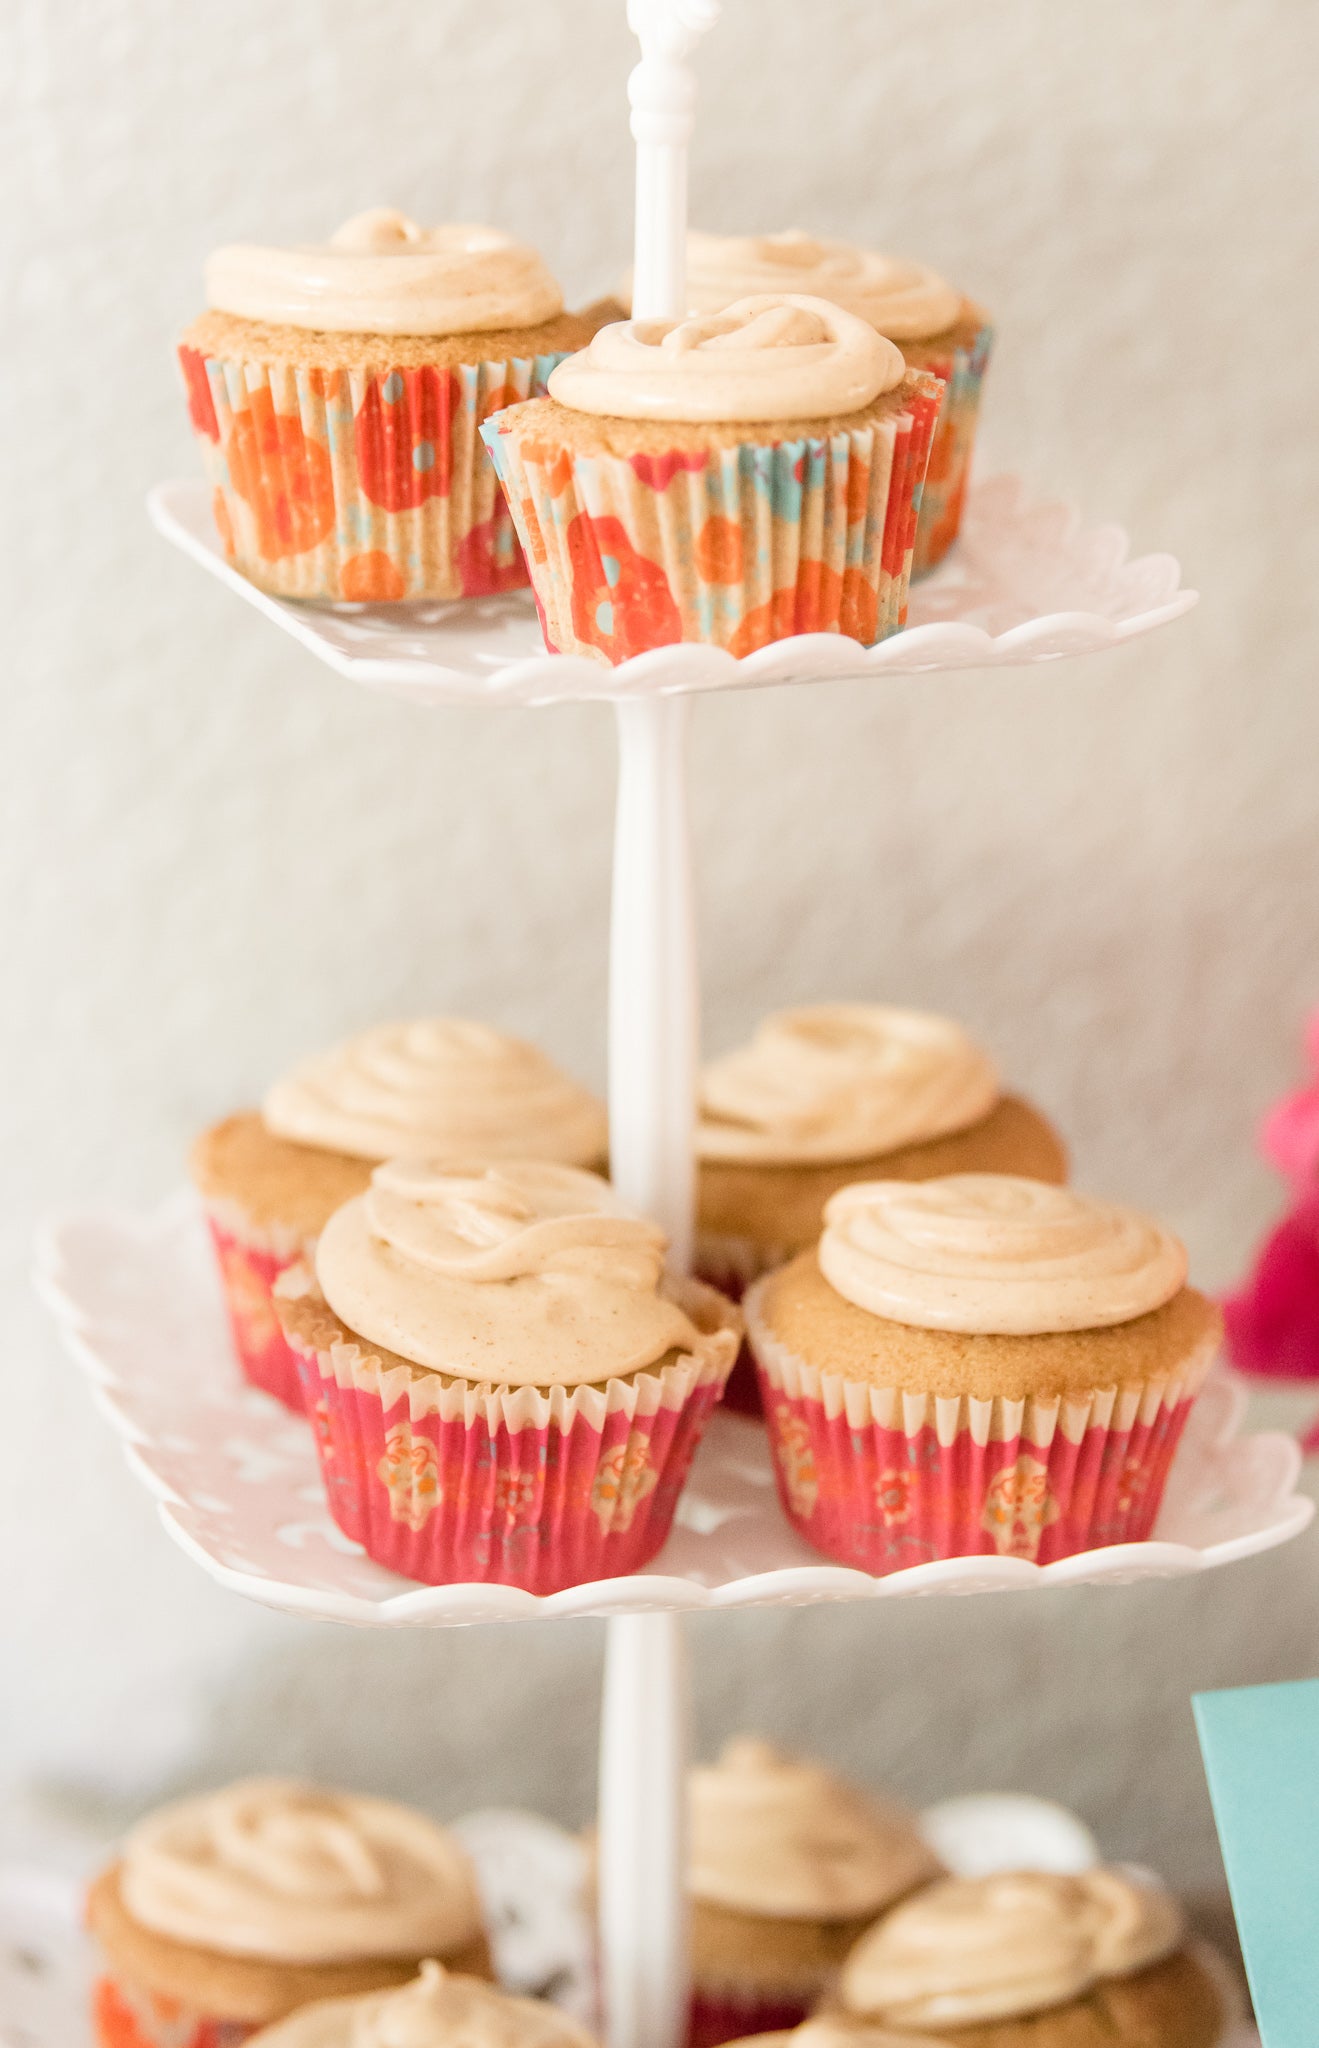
column 287, row 1872
column 382, row 274
column 436, row 2010
column 841, row 1081
column 776, row 1835
column 773, row 357
column 522, row 1274
column 905, row 301
column 995, row 1254
column 974, row 1949
column 439, row 1084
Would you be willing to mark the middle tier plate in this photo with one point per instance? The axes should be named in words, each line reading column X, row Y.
column 238, row 1486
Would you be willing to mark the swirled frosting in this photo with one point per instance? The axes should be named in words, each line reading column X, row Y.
column 905, row 301
column 772, row 357
column 382, row 274
column 440, row 1084
column 994, row 1254
column 775, row 1835
column 520, row 1275
column 436, row 2010
column 842, row 1081
column 280, row 1870
column 973, row 1949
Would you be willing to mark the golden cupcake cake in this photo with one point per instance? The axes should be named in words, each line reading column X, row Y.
column 977, row 1364
column 937, row 327
column 270, row 1178
column 734, row 479
column 788, row 1866
column 228, row 1911
column 504, row 1384
column 438, row 2009
column 1029, row 1959
column 337, row 391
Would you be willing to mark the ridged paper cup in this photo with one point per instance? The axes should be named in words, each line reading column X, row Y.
column 252, row 1258
column 731, row 1264
column 882, row 1479
column 725, row 2014
column 733, row 545
column 368, row 483
column 448, row 1482
column 960, row 360
column 125, row 2017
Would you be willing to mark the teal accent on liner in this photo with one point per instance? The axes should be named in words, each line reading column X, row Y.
column 1260, row 1745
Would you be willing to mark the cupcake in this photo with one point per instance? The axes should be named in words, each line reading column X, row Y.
column 504, row 1386
column 936, row 328
column 980, row 1363
column 1029, row 1959
column 734, row 479
column 788, row 1866
column 229, row 1911
column 436, row 2010
column 337, row 391
column 269, row 1179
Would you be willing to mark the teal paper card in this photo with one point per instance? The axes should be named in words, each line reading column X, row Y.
column 1261, row 1755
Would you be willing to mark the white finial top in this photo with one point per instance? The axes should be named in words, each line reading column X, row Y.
column 671, row 29
column 663, row 95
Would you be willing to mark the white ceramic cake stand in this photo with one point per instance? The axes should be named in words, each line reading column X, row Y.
column 235, row 1477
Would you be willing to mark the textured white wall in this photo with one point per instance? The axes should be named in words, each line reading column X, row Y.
column 214, row 856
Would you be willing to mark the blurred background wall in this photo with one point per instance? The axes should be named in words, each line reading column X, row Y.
column 215, row 857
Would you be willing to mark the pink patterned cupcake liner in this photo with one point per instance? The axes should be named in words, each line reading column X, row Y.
column 733, row 547
column 723, row 2015
column 944, row 493
column 450, row 1483
column 882, row 1479
column 125, row 2017
column 251, row 1261
column 369, row 484
column 731, row 1264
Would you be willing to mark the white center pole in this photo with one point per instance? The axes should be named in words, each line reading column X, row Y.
column 653, row 1052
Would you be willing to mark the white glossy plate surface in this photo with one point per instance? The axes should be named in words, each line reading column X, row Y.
column 1027, row 582
column 238, row 1486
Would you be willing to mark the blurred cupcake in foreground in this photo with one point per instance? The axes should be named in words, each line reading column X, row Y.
column 337, row 392
column 270, row 1179
column 977, row 1364
column 934, row 325
column 1029, row 1959
column 228, row 1911
column 504, row 1385
column 733, row 479
column 788, row 1865
column 436, row 2010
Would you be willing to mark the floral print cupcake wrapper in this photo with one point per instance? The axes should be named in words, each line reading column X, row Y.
column 731, row 1264
column 450, row 1483
column 251, row 1261
column 733, row 547
column 963, row 371
column 881, row 1479
column 368, row 484
column 124, row 2017
column 727, row 2015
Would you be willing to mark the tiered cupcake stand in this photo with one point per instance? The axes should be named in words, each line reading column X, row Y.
column 236, row 1478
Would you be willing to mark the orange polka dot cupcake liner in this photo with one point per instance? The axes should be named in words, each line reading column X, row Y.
column 125, row 2017
column 883, row 1479
column 944, row 497
column 733, row 547
column 368, row 485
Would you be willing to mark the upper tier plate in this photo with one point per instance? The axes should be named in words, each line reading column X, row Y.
column 1026, row 582
column 236, row 1477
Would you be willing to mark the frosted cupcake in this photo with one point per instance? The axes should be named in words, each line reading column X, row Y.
column 271, row 1178
column 788, row 1866
column 977, row 1364
column 337, row 391
column 734, row 479
column 1033, row 1960
column 437, row 2010
column 934, row 325
column 504, row 1385
column 228, row 1911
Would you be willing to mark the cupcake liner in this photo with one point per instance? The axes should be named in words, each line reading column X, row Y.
column 733, row 547
column 368, row 484
column 125, row 2017
column 251, row 1261
column 962, row 369
column 731, row 1264
column 882, row 1479
column 542, row 1488
column 734, row 2015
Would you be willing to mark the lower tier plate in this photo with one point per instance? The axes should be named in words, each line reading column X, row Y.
column 238, row 1486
